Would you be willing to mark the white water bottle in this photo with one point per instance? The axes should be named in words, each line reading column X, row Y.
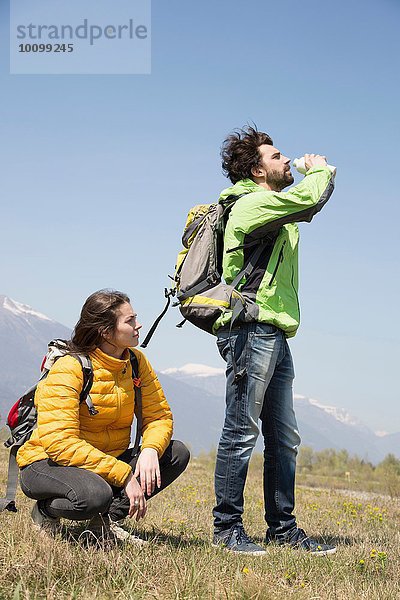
column 300, row 165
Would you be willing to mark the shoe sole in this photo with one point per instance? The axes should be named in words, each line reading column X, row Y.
column 225, row 549
column 316, row 553
column 127, row 538
column 322, row 552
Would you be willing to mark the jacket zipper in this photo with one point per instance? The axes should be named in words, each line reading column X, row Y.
column 296, row 294
column 118, row 396
column 280, row 259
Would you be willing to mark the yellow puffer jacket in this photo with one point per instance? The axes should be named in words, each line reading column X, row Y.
column 66, row 432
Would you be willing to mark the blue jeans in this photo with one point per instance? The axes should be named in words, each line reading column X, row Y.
column 264, row 393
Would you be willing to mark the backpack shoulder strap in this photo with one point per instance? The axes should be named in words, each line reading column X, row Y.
column 134, row 365
column 138, row 399
column 227, row 205
column 87, row 370
column 168, row 294
column 8, row 502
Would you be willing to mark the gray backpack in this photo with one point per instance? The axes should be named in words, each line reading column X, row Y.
column 200, row 291
column 201, row 294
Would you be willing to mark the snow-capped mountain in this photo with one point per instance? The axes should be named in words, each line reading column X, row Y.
column 24, row 334
column 321, row 426
column 22, row 310
column 193, row 370
column 339, row 414
column 203, row 377
column 195, row 392
column 212, row 379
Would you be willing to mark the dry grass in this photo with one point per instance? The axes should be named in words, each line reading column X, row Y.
column 180, row 563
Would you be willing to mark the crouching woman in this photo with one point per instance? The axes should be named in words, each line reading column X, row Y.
column 79, row 465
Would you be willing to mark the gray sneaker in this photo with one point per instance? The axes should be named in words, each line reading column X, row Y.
column 98, row 533
column 43, row 522
column 297, row 538
column 126, row 536
column 236, row 540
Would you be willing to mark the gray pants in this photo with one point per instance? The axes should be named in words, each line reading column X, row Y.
column 79, row 494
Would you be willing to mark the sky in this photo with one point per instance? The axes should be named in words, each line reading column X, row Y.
column 98, row 173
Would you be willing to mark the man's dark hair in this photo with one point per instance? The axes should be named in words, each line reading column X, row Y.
column 239, row 152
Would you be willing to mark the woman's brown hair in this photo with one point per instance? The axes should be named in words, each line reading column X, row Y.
column 98, row 316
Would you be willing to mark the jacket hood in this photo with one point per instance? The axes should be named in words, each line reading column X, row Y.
column 244, row 186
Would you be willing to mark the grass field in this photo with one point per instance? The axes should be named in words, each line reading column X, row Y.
column 179, row 562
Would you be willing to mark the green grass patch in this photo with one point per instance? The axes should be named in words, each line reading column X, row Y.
column 179, row 562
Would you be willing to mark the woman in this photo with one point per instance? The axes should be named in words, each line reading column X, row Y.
column 79, row 466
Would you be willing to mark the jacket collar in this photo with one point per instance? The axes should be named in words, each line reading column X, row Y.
column 244, row 186
column 102, row 359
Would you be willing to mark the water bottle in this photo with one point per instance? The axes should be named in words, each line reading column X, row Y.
column 300, row 165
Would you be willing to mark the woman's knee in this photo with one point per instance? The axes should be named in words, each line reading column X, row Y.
column 79, row 493
column 94, row 498
column 180, row 454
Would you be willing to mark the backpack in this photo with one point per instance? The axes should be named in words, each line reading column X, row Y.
column 22, row 417
column 201, row 294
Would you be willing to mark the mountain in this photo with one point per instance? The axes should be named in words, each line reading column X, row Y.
column 24, row 334
column 198, row 415
column 195, row 392
column 324, row 426
column 320, row 426
column 202, row 377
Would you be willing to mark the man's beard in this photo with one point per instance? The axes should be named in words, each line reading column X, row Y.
column 278, row 181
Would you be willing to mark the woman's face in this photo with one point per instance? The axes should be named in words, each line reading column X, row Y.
column 126, row 332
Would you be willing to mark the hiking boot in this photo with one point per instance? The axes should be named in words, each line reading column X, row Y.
column 297, row 538
column 123, row 535
column 98, row 533
column 236, row 540
column 43, row 522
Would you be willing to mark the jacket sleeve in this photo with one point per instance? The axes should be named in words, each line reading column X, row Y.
column 57, row 403
column 265, row 211
column 157, row 417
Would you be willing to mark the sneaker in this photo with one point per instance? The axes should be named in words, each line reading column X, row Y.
column 43, row 522
column 297, row 538
column 126, row 536
column 98, row 533
column 235, row 539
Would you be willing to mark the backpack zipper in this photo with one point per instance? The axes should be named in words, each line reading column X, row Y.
column 280, row 259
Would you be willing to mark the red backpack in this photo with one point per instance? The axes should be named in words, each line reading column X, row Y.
column 22, row 417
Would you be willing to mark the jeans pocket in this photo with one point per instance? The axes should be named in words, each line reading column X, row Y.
column 223, row 347
column 265, row 330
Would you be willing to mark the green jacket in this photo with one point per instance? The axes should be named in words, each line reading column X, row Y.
column 271, row 217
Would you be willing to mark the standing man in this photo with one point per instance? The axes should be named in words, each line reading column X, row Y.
column 262, row 389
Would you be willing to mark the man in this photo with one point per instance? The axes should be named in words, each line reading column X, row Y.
column 259, row 381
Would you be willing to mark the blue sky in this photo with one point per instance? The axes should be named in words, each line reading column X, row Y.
column 98, row 173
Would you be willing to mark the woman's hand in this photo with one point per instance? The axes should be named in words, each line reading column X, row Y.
column 148, row 470
column 136, row 497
